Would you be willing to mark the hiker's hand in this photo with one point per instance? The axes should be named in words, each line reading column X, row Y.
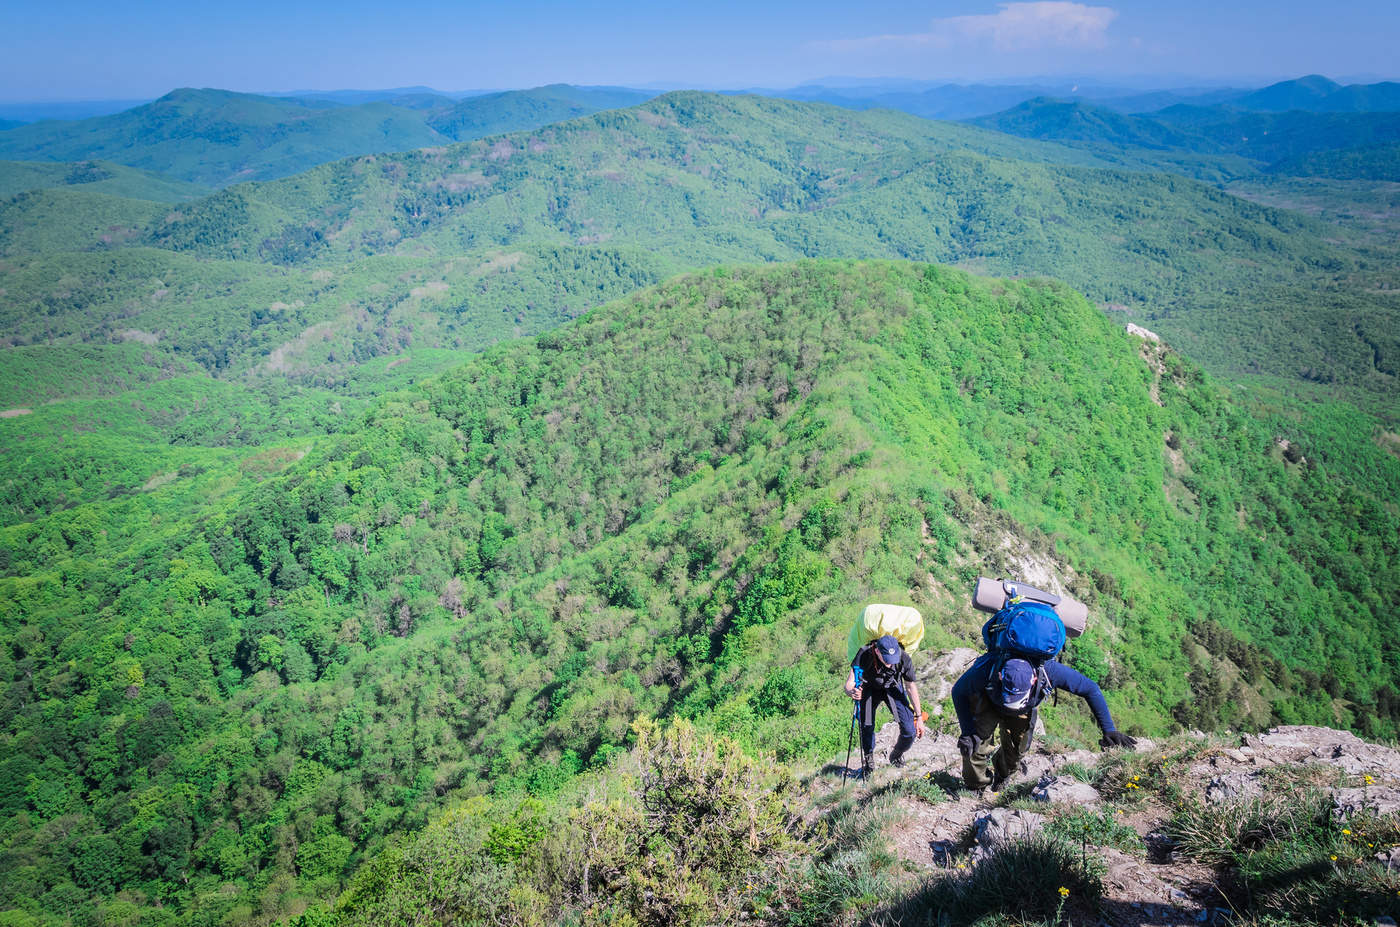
column 1113, row 739
column 855, row 693
column 918, row 727
column 968, row 743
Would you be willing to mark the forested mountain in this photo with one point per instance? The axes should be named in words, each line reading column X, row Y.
column 516, row 110
column 1320, row 95
column 287, row 567
column 1303, row 93
column 1075, row 121
column 967, row 101
column 460, row 246
column 1218, row 131
column 224, row 691
column 1373, row 162
column 216, row 137
column 949, row 101
column 95, row 177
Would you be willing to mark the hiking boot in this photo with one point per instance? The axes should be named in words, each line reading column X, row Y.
column 897, row 760
column 997, row 783
column 867, row 767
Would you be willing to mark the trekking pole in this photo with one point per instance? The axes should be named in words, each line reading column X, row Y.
column 850, row 739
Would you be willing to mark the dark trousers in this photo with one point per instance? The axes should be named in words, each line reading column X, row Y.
column 993, row 759
column 903, row 712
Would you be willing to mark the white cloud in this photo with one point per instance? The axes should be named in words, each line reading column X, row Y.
column 1014, row 27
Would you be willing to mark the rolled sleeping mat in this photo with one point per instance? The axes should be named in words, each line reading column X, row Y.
column 1075, row 615
column 992, row 594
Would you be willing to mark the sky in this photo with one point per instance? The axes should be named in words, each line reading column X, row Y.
column 85, row 50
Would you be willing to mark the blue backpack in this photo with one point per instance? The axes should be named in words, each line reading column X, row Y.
column 1031, row 631
column 1025, row 629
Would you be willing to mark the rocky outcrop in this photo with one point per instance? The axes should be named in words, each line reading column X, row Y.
column 995, row 828
column 1151, row 880
column 1064, row 790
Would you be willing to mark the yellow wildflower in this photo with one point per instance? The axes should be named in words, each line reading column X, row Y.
column 1064, row 892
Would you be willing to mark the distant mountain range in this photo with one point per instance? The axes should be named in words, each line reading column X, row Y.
column 965, row 101
column 217, row 137
column 1274, row 141
column 519, row 232
column 213, row 138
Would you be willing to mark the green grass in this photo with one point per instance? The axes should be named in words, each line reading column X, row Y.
column 1289, row 858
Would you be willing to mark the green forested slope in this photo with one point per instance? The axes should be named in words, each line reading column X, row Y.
column 61, row 219
column 1376, row 162
column 93, row 176
column 224, row 691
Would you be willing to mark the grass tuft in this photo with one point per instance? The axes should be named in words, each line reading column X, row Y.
column 1047, row 871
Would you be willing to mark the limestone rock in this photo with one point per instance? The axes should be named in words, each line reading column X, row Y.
column 937, row 676
column 996, row 828
column 1375, row 799
column 1056, row 790
column 1232, row 787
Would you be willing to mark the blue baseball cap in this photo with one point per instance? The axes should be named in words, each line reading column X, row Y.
column 889, row 650
column 1017, row 680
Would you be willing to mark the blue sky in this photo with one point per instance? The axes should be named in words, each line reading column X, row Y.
column 79, row 49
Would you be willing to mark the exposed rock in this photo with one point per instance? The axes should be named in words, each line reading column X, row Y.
column 996, row 828
column 1375, row 799
column 1232, row 787
column 1309, row 744
column 1138, row 892
column 1065, row 790
column 938, row 675
column 1141, row 332
column 1390, row 859
column 1039, row 765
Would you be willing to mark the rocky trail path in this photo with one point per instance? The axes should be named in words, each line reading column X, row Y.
column 1123, row 803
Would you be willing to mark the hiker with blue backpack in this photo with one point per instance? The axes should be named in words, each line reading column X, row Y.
column 1003, row 687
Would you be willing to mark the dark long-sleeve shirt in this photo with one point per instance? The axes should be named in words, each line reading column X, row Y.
column 975, row 680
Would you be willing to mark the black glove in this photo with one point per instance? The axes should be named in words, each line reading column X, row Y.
column 967, row 743
column 1113, row 739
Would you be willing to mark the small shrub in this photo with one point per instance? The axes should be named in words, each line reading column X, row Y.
column 1098, row 828
column 701, row 833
